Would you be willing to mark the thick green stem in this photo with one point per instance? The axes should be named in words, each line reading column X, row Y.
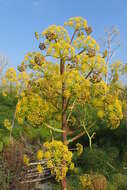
column 89, row 137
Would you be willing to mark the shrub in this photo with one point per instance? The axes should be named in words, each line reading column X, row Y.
column 96, row 160
column 73, row 183
column 120, row 181
column 111, row 186
column 113, row 154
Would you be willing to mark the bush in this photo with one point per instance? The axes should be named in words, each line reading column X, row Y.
column 113, row 154
column 4, row 139
column 120, row 181
column 111, row 186
column 34, row 134
column 73, row 183
column 96, row 160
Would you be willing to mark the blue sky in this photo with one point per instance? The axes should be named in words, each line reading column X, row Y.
column 19, row 19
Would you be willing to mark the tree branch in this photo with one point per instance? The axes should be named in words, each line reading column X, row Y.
column 76, row 137
column 73, row 36
column 89, row 73
column 81, row 51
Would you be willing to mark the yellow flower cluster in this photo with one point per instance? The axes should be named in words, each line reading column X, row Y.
column 108, row 105
column 13, row 82
column 51, row 83
column 26, row 160
column 78, row 42
column 9, row 80
column 100, row 113
column 59, row 158
column 32, row 108
column 22, row 81
column 34, row 60
column 76, row 84
column 77, row 23
column 11, row 74
column 90, row 43
column 86, row 63
column 67, row 93
column 40, row 154
column 100, row 64
column 85, row 180
column 7, row 124
column 100, row 89
column 79, row 149
column 61, row 49
column 114, row 112
column 40, row 168
column 86, row 42
column 54, row 32
column 97, row 102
